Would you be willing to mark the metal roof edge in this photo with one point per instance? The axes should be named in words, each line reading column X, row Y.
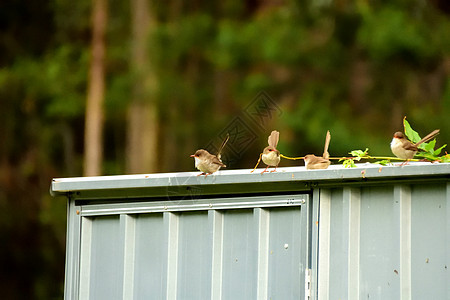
column 368, row 171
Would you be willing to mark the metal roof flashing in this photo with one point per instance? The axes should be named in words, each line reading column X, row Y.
column 229, row 181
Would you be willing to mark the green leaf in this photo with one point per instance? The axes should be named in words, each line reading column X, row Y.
column 428, row 147
column 384, row 162
column 348, row 162
column 445, row 158
column 439, row 150
column 412, row 135
column 359, row 154
column 428, row 156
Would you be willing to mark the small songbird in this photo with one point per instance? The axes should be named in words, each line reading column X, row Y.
column 208, row 163
column 317, row 162
column 270, row 155
column 404, row 149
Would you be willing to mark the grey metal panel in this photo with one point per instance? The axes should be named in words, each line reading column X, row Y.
column 338, row 247
column 448, row 239
column 323, row 204
column 380, row 236
column 128, row 235
column 186, row 254
column 319, row 283
column 262, row 223
column 352, row 199
column 215, row 219
column 171, row 232
column 429, row 241
column 72, row 274
column 286, row 268
column 106, row 270
column 149, row 257
column 403, row 246
column 402, row 194
column 239, row 259
column 194, row 259
column 344, row 244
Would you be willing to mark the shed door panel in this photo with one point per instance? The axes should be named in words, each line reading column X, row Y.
column 233, row 248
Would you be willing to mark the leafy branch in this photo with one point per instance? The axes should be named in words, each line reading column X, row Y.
column 358, row 155
column 428, row 152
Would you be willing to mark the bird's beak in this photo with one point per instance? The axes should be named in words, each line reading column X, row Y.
column 192, row 155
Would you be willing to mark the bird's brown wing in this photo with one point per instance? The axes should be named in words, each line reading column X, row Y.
column 273, row 139
column 318, row 159
column 217, row 161
column 316, row 162
column 410, row 146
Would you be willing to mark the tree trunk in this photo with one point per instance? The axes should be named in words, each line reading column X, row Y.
column 93, row 138
column 142, row 132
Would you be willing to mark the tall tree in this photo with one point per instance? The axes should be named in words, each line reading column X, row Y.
column 142, row 131
column 93, row 140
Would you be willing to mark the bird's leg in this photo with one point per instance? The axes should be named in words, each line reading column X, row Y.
column 274, row 170
column 265, row 170
column 404, row 163
column 201, row 174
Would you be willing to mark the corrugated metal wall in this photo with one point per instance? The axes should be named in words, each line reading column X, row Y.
column 239, row 248
column 329, row 234
column 384, row 242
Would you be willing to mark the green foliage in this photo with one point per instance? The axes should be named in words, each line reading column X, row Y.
column 357, row 155
column 428, row 152
column 384, row 162
column 393, row 33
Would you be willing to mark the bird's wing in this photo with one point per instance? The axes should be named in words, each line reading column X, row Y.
column 215, row 160
column 318, row 159
column 410, row 146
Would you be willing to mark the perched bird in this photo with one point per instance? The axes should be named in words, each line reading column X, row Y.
column 404, row 149
column 317, row 162
column 270, row 155
column 208, row 163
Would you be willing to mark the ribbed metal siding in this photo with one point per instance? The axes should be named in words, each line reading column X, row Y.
column 384, row 242
column 365, row 233
column 254, row 249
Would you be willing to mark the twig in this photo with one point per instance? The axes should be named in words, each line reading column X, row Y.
column 257, row 163
column 291, row 158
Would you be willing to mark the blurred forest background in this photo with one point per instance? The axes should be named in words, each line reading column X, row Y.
column 106, row 87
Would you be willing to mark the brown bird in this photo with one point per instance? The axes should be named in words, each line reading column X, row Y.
column 270, row 155
column 208, row 163
column 404, row 149
column 317, row 162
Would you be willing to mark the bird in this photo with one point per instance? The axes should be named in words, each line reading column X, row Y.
column 208, row 163
column 270, row 155
column 404, row 149
column 317, row 162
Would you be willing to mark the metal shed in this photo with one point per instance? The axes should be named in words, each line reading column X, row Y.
column 359, row 233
